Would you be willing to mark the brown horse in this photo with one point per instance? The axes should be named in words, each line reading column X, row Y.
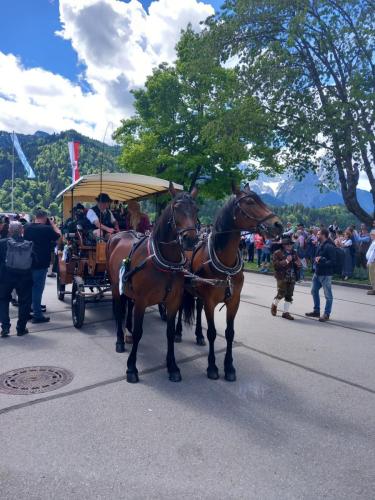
column 155, row 273
column 218, row 261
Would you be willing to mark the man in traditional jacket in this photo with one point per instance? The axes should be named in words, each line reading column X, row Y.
column 101, row 218
column 286, row 264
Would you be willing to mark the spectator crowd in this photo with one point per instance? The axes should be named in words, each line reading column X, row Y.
column 353, row 244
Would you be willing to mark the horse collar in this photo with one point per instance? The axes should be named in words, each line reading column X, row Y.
column 161, row 263
column 219, row 266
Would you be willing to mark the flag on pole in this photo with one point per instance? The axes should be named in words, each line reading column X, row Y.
column 29, row 171
column 74, row 157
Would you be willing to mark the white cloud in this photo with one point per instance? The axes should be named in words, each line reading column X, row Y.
column 35, row 99
column 118, row 43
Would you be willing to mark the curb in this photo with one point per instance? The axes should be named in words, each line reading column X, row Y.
column 334, row 282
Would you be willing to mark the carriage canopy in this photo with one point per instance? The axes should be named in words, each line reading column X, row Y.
column 119, row 186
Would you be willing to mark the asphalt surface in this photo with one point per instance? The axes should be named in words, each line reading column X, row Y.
column 299, row 423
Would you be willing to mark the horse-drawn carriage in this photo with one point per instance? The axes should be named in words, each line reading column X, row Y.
column 82, row 258
column 154, row 269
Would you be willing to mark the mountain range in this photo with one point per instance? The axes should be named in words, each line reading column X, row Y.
column 48, row 155
column 311, row 192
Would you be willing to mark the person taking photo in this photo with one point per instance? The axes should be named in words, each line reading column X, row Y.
column 42, row 232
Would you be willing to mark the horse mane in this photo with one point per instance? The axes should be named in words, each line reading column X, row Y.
column 224, row 222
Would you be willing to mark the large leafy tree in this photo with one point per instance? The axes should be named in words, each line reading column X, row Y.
column 311, row 63
column 192, row 124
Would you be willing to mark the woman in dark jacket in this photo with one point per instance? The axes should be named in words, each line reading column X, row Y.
column 347, row 244
column 4, row 227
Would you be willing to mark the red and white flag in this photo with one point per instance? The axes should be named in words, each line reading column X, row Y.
column 74, row 157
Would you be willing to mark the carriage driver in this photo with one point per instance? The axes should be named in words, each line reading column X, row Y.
column 101, row 218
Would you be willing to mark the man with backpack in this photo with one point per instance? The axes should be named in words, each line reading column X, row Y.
column 42, row 232
column 16, row 258
column 324, row 265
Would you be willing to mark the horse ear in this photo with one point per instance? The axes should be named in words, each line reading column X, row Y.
column 194, row 192
column 247, row 189
column 235, row 189
column 172, row 189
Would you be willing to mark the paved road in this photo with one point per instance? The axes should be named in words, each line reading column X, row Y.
column 298, row 424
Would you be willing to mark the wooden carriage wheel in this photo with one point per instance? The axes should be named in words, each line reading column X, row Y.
column 78, row 302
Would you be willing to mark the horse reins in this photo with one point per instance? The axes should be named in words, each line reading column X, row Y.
column 259, row 223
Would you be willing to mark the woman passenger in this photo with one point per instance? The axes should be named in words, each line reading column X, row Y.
column 137, row 220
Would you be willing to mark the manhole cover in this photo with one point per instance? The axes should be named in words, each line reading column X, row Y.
column 34, row 380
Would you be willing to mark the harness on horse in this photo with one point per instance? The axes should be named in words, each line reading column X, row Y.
column 213, row 260
column 155, row 255
column 125, row 272
column 217, row 265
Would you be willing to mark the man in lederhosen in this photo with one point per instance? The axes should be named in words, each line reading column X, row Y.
column 101, row 218
column 286, row 264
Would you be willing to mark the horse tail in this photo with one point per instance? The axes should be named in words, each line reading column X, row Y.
column 188, row 306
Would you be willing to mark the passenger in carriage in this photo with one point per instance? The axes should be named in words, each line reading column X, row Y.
column 78, row 220
column 120, row 214
column 137, row 220
column 101, row 218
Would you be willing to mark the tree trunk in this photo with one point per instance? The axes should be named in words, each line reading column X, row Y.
column 194, row 177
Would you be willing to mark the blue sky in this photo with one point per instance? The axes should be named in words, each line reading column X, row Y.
column 73, row 63
column 27, row 29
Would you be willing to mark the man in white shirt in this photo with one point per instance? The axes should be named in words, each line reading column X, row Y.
column 101, row 218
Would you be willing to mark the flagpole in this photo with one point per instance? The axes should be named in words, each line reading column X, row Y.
column 12, row 194
column 101, row 173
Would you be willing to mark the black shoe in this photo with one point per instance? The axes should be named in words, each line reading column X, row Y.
column 21, row 333
column 5, row 332
column 324, row 318
column 42, row 307
column 51, row 275
column 314, row 314
column 43, row 319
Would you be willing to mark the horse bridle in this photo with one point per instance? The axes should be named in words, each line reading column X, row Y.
column 260, row 223
column 180, row 232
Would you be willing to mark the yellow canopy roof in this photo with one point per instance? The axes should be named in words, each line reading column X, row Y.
column 119, row 186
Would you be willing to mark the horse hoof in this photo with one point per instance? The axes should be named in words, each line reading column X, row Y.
column 230, row 376
column 132, row 377
column 178, row 339
column 120, row 347
column 212, row 373
column 175, row 377
column 201, row 341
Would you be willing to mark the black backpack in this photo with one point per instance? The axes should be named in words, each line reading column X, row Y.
column 339, row 260
column 19, row 256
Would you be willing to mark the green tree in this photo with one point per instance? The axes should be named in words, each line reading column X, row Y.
column 325, row 216
column 312, row 65
column 191, row 123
